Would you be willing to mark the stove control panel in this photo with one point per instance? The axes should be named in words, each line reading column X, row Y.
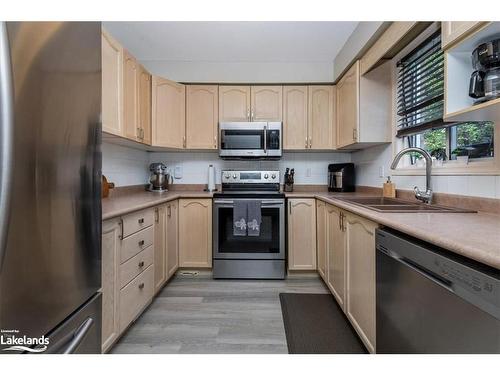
column 251, row 177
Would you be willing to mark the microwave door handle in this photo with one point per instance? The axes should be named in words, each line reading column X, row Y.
column 265, row 139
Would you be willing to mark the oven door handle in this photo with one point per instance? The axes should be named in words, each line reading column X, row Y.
column 265, row 139
column 263, row 202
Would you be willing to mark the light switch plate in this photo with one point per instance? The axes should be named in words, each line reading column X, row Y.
column 381, row 171
column 178, row 172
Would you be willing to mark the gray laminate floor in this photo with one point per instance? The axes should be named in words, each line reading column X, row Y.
column 202, row 315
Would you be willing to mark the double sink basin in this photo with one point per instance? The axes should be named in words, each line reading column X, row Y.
column 383, row 204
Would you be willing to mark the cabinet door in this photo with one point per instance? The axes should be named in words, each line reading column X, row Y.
column 144, row 106
column 361, row 291
column 202, row 115
column 130, row 97
column 348, row 107
column 172, row 237
column 453, row 31
column 112, row 79
column 160, row 248
column 321, row 117
column 195, row 233
column 111, row 242
column 321, row 238
column 295, row 118
column 336, row 249
column 234, row 103
column 168, row 113
column 301, row 234
column 266, row 103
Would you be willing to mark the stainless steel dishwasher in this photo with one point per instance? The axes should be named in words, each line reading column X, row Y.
column 432, row 301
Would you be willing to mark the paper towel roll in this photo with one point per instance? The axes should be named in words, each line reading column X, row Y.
column 211, row 178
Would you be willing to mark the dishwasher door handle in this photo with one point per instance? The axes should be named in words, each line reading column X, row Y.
column 419, row 269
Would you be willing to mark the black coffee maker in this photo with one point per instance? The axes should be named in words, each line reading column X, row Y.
column 341, row 177
column 485, row 80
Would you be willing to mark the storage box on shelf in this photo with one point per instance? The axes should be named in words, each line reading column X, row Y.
column 458, row 105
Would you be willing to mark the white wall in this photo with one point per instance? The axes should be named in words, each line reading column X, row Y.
column 310, row 168
column 242, row 71
column 369, row 161
column 123, row 165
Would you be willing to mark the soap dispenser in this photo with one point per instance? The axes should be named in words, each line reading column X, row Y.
column 389, row 190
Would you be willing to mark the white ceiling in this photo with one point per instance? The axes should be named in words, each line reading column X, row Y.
column 233, row 41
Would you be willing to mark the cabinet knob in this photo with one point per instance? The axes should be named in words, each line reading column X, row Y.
column 141, row 286
column 141, row 264
column 141, row 243
column 141, row 220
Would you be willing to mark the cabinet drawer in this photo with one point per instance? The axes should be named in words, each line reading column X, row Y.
column 135, row 265
column 136, row 221
column 135, row 243
column 135, row 296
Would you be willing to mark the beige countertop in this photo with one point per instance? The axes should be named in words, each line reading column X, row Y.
column 473, row 235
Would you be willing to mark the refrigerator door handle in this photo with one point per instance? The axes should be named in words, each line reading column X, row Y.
column 6, row 137
column 78, row 336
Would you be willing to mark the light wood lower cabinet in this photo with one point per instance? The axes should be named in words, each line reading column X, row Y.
column 160, row 247
column 111, row 242
column 195, row 233
column 336, row 254
column 172, row 229
column 301, row 234
column 321, row 238
column 361, row 288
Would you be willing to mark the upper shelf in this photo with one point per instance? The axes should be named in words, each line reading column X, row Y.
column 459, row 106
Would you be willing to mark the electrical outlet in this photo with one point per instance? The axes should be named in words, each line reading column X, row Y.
column 308, row 172
column 178, row 172
column 381, row 171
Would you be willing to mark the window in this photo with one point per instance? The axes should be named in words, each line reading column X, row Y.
column 420, row 101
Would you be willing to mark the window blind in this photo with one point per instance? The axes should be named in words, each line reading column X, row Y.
column 420, row 88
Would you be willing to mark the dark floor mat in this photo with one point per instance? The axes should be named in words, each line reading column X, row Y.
column 315, row 324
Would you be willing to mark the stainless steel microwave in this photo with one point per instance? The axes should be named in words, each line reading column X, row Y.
column 250, row 139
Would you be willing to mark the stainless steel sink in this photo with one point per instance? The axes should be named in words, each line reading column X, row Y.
column 382, row 204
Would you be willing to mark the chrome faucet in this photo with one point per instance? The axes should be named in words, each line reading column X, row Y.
column 424, row 196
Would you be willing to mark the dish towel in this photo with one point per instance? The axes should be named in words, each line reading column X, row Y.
column 240, row 218
column 254, row 217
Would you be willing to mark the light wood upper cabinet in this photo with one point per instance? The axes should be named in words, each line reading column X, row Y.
column 234, row 103
column 112, row 85
column 160, row 248
column 168, row 113
column 202, row 115
column 111, row 244
column 364, row 107
column 454, row 31
column 336, row 250
column 266, row 103
column 130, row 96
column 172, row 224
column 321, row 117
column 295, row 117
column 301, row 234
column 347, row 107
column 195, row 217
column 361, row 288
column 144, row 105
column 321, row 238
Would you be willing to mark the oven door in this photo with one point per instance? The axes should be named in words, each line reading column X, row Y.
column 269, row 245
column 242, row 139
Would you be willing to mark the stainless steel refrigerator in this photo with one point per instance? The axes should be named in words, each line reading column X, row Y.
column 50, row 207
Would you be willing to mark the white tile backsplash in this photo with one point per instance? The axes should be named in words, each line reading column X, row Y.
column 370, row 160
column 123, row 165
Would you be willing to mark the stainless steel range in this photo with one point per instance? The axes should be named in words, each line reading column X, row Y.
column 249, row 226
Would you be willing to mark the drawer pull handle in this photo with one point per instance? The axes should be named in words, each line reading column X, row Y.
column 141, row 264
column 141, row 286
column 141, row 220
column 141, row 243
